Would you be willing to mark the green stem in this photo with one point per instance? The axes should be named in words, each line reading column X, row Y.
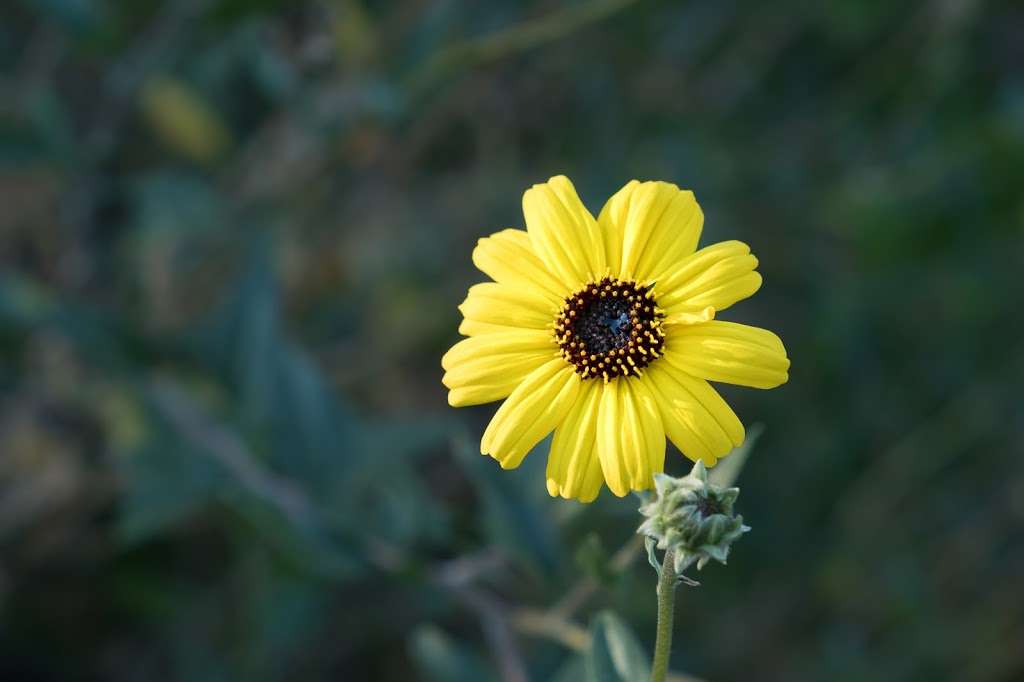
column 666, row 610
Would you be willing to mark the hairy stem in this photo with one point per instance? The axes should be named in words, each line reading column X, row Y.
column 666, row 611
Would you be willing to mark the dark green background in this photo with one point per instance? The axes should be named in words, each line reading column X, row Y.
column 233, row 235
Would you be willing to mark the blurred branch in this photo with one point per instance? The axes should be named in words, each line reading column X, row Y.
column 457, row 576
column 556, row 624
column 223, row 446
column 466, row 569
column 500, row 637
column 550, row 626
column 521, row 38
column 586, row 588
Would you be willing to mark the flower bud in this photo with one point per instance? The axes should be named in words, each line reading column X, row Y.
column 692, row 517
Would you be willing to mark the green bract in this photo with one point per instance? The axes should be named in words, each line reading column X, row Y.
column 692, row 517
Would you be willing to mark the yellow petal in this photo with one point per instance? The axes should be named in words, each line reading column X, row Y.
column 498, row 344
column 674, row 238
column 717, row 276
column 631, row 447
column 531, row 412
column 613, row 460
column 663, row 223
column 503, row 305
column 477, row 328
column 650, row 422
column 647, row 206
column 574, row 470
column 479, row 394
column 685, row 315
column 508, row 257
column 563, row 232
column 612, row 221
column 485, row 368
column 729, row 352
column 630, row 440
column 694, row 416
column 656, row 223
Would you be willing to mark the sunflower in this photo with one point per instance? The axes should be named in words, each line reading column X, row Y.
column 604, row 332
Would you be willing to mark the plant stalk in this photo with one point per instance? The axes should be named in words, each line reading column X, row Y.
column 666, row 613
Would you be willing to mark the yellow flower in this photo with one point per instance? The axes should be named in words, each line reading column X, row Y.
column 603, row 331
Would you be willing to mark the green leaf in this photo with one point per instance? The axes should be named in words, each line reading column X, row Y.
column 592, row 557
column 440, row 658
column 729, row 468
column 615, row 654
column 306, row 543
column 573, row 670
column 176, row 204
column 165, row 484
column 515, row 514
column 652, row 558
column 284, row 405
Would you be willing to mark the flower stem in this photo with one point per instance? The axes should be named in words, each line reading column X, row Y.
column 666, row 610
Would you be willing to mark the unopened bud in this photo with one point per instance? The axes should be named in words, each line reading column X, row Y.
column 692, row 517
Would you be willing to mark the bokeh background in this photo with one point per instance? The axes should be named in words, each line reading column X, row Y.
column 233, row 236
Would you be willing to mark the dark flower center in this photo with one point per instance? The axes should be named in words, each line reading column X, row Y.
column 708, row 507
column 610, row 328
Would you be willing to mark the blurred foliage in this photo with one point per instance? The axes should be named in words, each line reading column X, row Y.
column 233, row 234
column 615, row 655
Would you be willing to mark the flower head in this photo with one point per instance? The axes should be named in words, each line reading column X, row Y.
column 604, row 332
column 693, row 517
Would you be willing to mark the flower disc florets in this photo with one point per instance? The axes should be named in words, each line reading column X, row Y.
column 693, row 517
column 610, row 328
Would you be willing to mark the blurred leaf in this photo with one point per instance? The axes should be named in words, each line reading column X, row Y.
column 615, row 655
column 53, row 124
column 97, row 335
column 123, row 417
column 361, row 473
column 729, row 468
column 441, row 658
column 177, row 202
column 77, row 15
column 22, row 302
column 593, row 558
column 165, row 484
column 306, row 543
column 281, row 610
column 514, row 518
column 183, row 120
column 309, row 426
column 242, row 337
column 245, row 55
column 191, row 461
column 573, row 670
column 282, row 397
column 389, row 501
column 354, row 32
